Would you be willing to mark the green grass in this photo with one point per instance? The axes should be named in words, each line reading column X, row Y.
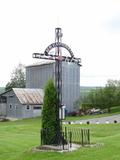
column 114, row 111
column 19, row 137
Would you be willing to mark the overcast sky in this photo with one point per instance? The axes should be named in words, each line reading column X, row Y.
column 91, row 28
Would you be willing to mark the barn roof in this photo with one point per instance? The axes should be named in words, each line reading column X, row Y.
column 29, row 96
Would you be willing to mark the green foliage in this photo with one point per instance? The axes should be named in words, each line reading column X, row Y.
column 105, row 97
column 76, row 104
column 50, row 113
column 17, row 78
column 83, row 102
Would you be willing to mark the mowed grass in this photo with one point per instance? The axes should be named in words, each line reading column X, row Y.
column 19, row 137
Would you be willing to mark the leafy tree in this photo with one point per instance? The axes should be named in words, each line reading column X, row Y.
column 96, row 98
column 17, row 78
column 112, row 91
column 105, row 97
column 50, row 114
column 102, row 97
column 109, row 97
column 76, row 104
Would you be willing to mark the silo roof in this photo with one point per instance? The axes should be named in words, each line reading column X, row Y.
column 45, row 62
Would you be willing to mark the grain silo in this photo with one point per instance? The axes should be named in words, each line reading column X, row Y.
column 64, row 70
column 38, row 74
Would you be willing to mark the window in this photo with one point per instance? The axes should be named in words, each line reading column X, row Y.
column 3, row 99
column 37, row 107
column 10, row 106
column 28, row 107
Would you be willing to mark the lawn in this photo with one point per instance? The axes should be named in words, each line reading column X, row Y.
column 19, row 137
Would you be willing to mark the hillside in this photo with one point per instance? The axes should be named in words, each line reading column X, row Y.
column 84, row 90
column 87, row 88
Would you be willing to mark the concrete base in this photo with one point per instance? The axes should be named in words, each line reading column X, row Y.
column 48, row 148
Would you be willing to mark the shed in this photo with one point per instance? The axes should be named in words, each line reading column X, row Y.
column 21, row 103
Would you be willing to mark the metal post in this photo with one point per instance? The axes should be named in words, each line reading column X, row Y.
column 66, row 134
column 58, row 70
column 82, row 140
column 70, row 134
column 63, row 143
column 88, row 136
column 41, row 134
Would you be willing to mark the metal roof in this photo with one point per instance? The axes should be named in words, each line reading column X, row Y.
column 42, row 63
column 29, row 96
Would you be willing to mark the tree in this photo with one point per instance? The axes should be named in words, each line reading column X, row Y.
column 76, row 104
column 50, row 114
column 96, row 98
column 111, row 93
column 17, row 78
column 102, row 97
column 106, row 97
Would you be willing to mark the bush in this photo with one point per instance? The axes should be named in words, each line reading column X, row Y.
column 50, row 114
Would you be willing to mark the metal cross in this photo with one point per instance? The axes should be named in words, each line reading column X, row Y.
column 58, row 58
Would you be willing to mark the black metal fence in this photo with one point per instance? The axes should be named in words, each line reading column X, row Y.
column 79, row 136
column 65, row 139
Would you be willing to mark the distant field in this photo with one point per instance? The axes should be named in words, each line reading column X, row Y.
column 19, row 137
column 84, row 90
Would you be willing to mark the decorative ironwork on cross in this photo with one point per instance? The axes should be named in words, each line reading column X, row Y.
column 58, row 58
